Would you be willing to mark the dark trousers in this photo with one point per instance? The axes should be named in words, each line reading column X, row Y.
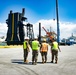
column 54, row 54
column 44, row 56
column 34, row 56
column 25, row 54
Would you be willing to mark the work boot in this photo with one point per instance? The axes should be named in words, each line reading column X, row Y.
column 26, row 61
column 44, row 61
column 56, row 62
column 32, row 63
column 51, row 61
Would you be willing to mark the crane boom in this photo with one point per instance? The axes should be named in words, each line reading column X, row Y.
column 44, row 29
column 49, row 34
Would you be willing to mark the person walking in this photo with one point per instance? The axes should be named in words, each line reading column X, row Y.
column 43, row 51
column 35, row 48
column 26, row 49
column 54, row 51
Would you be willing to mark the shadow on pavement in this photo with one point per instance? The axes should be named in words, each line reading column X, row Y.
column 20, row 61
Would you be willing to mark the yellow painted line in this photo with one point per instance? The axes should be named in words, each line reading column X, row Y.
column 11, row 46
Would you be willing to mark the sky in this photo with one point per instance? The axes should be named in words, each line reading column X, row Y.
column 43, row 11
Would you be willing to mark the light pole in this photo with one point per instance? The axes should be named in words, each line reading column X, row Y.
column 58, row 30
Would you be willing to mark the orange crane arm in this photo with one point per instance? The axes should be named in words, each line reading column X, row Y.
column 44, row 29
column 48, row 33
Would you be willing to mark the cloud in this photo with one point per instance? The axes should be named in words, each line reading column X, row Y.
column 3, row 29
column 47, row 24
column 66, row 28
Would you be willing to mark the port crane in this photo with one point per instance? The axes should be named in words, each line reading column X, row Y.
column 50, row 34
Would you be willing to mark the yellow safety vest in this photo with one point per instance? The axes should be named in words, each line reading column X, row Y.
column 44, row 47
column 35, row 45
column 55, row 46
column 24, row 44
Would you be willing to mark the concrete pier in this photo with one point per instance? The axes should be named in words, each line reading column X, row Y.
column 11, row 62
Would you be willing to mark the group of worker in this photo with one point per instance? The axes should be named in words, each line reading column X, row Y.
column 43, row 47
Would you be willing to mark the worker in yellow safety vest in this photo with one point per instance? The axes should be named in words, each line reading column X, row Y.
column 54, row 51
column 43, row 51
column 26, row 49
column 35, row 48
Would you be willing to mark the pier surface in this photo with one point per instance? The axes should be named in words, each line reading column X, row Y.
column 11, row 62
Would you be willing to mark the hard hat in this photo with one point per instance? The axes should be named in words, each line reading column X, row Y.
column 44, row 40
column 26, row 38
column 35, row 37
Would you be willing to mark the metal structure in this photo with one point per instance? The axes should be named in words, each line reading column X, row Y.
column 50, row 34
column 39, row 37
column 58, row 30
column 15, row 33
column 30, row 32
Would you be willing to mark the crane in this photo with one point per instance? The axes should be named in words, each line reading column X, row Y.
column 50, row 34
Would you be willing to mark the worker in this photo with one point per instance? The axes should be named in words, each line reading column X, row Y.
column 35, row 48
column 26, row 49
column 43, row 51
column 54, row 51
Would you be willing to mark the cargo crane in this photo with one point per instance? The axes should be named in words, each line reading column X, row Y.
column 50, row 34
column 15, row 32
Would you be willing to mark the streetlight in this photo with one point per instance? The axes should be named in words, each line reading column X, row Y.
column 58, row 30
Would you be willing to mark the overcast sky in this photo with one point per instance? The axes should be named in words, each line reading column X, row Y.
column 43, row 11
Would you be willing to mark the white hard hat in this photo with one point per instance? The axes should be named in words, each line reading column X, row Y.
column 44, row 40
column 35, row 37
column 26, row 38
